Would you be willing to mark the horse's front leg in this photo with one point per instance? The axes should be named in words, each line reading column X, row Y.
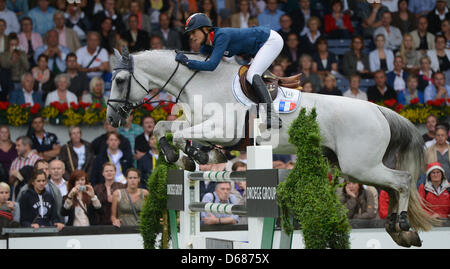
column 161, row 129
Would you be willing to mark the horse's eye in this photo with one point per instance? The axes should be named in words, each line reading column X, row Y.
column 120, row 80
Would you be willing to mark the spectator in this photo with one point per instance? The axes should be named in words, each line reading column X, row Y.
column 403, row 19
column 26, row 156
column 37, row 206
column 291, row 49
column 337, row 24
column 383, row 204
column 67, row 36
column 56, row 170
column 14, row 59
column 29, row 40
column 392, row 34
column 112, row 153
column 26, row 94
column 308, row 74
column 130, row 130
column 355, row 61
column 45, row 143
column 445, row 31
column 302, row 14
column 61, row 94
column 42, row 16
column 330, row 86
column 439, row 152
column 20, row 7
column 108, row 12
column 222, row 194
column 143, row 21
column 359, row 202
column 12, row 24
column 95, row 95
column 209, row 8
column 380, row 92
column 396, row 78
column 77, row 154
column 437, row 90
column 81, row 204
column 435, row 192
column 240, row 19
column 425, row 73
column 354, row 91
column 105, row 192
column 79, row 82
column 170, row 37
column 410, row 56
column 4, row 42
column 423, row 40
column 404, row 97
column 55, row 52
column 286, row 28
column 153, row 9
column 419, row 7
column 324, row 61
column 78, row 21
column 270, row 17
column 99, row 142
column 6, row 85
column 42, row 76
column 8, row 151
column 92, row 58
column 147, row 163
column 381, row 58
column 370, row 15
column 127, row 203
column 437, row 16
column 239, row 187
column 440, row 57
column 430, row 123
column 108, row 36
column 279, row 164
column 156, row 42
column 9, row 210
column 141, row 145
column 137, row 39
column 307, row 86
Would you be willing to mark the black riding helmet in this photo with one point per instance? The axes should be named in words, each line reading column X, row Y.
column 197, row 21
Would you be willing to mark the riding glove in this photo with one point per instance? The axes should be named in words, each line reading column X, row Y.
column 181, row 58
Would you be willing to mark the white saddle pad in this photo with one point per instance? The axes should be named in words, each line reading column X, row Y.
column 286, row 102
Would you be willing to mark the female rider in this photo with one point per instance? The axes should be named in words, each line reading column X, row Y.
column 261, row 43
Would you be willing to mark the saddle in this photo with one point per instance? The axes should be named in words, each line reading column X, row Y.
column 272, row 83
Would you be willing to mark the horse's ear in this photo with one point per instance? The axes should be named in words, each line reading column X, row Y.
column 125, row 53
column 117, row 53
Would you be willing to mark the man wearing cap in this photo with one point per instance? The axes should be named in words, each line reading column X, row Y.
column 435, row 191
column 440, row 151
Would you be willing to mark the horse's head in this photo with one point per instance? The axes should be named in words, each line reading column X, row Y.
column 123, row 97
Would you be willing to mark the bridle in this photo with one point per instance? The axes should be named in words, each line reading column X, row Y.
column 127, row 106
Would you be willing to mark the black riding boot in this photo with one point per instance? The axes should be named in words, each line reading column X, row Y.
column 264, row 97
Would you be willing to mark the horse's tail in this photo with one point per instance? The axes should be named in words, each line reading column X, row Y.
column 407, row 147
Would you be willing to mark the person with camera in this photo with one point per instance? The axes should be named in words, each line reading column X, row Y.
column 15, row 60
column 81, row 204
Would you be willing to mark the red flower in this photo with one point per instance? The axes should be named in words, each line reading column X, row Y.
column 35, row 108
column 25, row 105
column 98, row 105
column 168, row 108
column 414, row 101
column 74, row 105
column 430, row 102
column 84, row 105
column 61, row 107
column 55, row 104
column 398, row 107
column 439, row 101
column 390, row 102
column 148, row 107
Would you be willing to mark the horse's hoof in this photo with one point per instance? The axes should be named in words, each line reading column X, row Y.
column 188, row 163
column 390, row 223
column 403, row 221
column 399, row 239
column 196, row 154
column 167, row 150
column 411, row 237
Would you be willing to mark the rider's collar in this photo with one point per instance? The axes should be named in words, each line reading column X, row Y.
column 211, row 36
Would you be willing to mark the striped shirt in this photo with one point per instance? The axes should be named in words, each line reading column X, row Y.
column 20, row 161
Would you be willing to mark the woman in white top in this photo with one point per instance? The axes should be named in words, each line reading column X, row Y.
column 440, row 57
column 381, row 58
column 96, row 92
column 61, row 94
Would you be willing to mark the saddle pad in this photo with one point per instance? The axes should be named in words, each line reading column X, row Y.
column 286, row 102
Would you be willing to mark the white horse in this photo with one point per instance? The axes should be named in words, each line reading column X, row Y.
column 371, row 144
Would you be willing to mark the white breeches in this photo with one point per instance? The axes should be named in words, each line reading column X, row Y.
column 265, row 56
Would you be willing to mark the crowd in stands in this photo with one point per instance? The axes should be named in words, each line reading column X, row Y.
column 56, row 51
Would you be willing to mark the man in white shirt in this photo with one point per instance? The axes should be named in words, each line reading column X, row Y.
column 392, row 34
column 10, row 18
column 354, row 91
column 93, row 59
column 56, row 171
